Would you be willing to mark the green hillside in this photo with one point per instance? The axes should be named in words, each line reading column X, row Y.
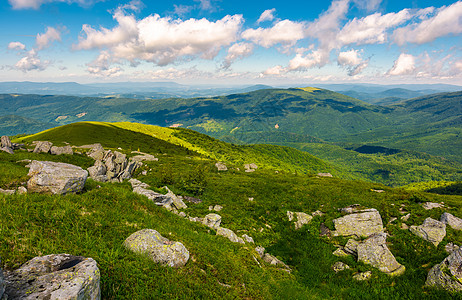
column 13, row 125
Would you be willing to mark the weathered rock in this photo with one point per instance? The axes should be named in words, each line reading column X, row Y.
column 363, row 276
column 360, row 224
column 176, row 200
column 61, row 150
column 144, row 157
column 55, row 177
column 454, row 222
column 273, row 260
column 351, row 247
column 97, row 169
column 44, row 147
column 350, row 209
column 431, row 230
column 192, row 199
column 217, row 207
column 56, row 276
column 339, row 266
column 221, row 166
column 340, row 253
column 250, row 167
column 374, row 251
column 302, row 219
column 228, row 233
column 161, row 250
column 404, row 226
column 317, row 213
column 431, row 205
column 324, row 230
column 406, row 217
column 324, row 175
column 377, row 191
column 260, row 250
column 21, row 191
column 7, row 150
column 131, row 167
column 137, row 183
column 158, row 198
column 290, row 215
column 212, row 221
column 448, row 274
column 6, row 192
column 248, row 239
column 451, row 247
column 5, row 142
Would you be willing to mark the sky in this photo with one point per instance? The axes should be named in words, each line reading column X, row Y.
column 232, row 41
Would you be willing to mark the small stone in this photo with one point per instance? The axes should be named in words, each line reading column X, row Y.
column 260, row 250
column 302, row 219
column 250, row 198
column 378, row 191
column 406, row 217
column 317, row 213
column 339, row 266
column 404, row 226
column 324, row 175
column 290, row 215
column 144, row 172
column 217, row 207
column 21, row 190
column 392, row 220
column 7, row 192
column 221, row 166
column 363, row 276
column 324, row 230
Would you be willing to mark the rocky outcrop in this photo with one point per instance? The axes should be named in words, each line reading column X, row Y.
column 42, row 147
column 176, row 200
column 61, row 150
column 55, row 178
column 221, row 166
column 212, row 221
column 250, row 167
column 454, row 222
column 248, row 239
column 431, row 230
column 361, row 224
column 374, row 251
column 161, row 250
column 301, row 218
column 448, row 274
column 228, row 233
column 169, row 201
column 111, row 166
column 6, row 145
column 56, row 276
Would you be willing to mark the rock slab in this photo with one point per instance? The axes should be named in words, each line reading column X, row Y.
column 212, row 221
column 431, row 230
column 361, row 224
column 448, row 274
column 161, row 250
column 454, row 222
column 228, row 233
column 55, row 178
column 55, row 276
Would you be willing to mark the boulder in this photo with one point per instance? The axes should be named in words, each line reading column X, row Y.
column 212, row 221
column 97, row 169
column 44, row 147
column 451, row 247
column 144, row 157
column 176, row 200
column 361, row 224
column 248, row 239
column 302, row 219
column 5, row 142
column 61, row 150
column 7, row 150
column 6, row 192
column 55, row 276
column 431, row 230
column 363, row 276
column 55, row 177
column 340, row 253
column 158, row 198
column 324, row 175
column 448, row 274
column 228, row 233
column 374, row 251
column 221, row 166
column 161, row 250
column 454, row 222
column 339, row 266
column 137, row 183
column 431, row 205
column 351, row 247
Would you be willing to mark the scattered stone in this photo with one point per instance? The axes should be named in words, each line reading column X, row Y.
column 26, row 161
column 374, row 251
column 228, row 233
column 55, row 276
column 448, row 274
column 351, row 247
column 260, row 250
column 159, row 199
column 61, row 150
column 324, row 230
column 248, row 239
column 250, row 167
column 350, row 209
column 55, row 178
column 451, row 247
column 290, row 215
column 378, row 191
column 359, row 224
column 250, row 198
column 212, row 221
column 192, row 199
column 454, row 222
column 406, row 217
column 221, row 166
column 21, row 191
column 431, row 205
column 42, row 147
column 404, row 226
column 144, row 157
column 363, row 276
column 339, row 266
column 302, row 219
column 5, row 142
column 176, row 200
column 182, row 214
column 317, row 213
column 161, row 250
column 272, row 260
column 144, row 172
column 217, row 207
column 392, row 220
column 340, row 253
column 7, row 192
column 324, row 175
column 431, row 230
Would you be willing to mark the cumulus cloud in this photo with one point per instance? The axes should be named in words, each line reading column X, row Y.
column 369, row 5
column 16, row 46
column 267, row 15
column 316, row 58
column 284, row 32
column 161, row 40
column 371, row 29
column 35, row 4
column 276, row 70
column 446, row 21
column 44, row 40
column 404, row 65
column 237, row 51
column 352, row 61
column 101, row 66
column 31, row 62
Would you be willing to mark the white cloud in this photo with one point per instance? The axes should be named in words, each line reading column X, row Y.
column 267, row 15
column 45, row 39
column 16, row 46
column 284, row 32
column 31, row 62
column 101, row 66
column 205, row 5
column 237, row 51
column 404, row 65
column 276, row 70
column 182, row 9
column 35, row 4
column 352, row 61
column 448, row 20
column 316, row 58
column 369, row 5
column 161, row 40
column 371, row 29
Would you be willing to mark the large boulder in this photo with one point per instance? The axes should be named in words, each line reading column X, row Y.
column 448, row 274
column 454, row 222
column 6, row 145
column 228, row 233
column 374, row 251
column 361, row 224
column 43, row 146
column 161, row 250
column 61, row 150
column 96, row 151
column 55, row 177
column 212, row 221
column 56, row 276
column 431, row 230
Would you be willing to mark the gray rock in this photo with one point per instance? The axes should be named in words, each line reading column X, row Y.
column 317, row 213
column 192, row 199
column 7, row 150
column 351, row 247
column 56, row 276
column 158, row 198
column 324, row 175
column 451, row 247
column 5, row 142
column 131, row 167
column 250, row 167
column 217, row 207
column 363, row 276
column 324, row 230
column 340, row 253
column 212, row 221
column 302, row 219
column 55, row 178
column 248, row 239
column 448, row 274
column 361, row 224
column 374, row 251
column 42, row 147
column 21, row 190
column 137, row 183
column 339, row 266
column 406, row 217
column 228, row 233
column 97, row 169
column 176, row 200
column 290, row 215
column 144, row 157
column 350, row 209
column 431, row 205
column 221, row 166
column 454, row 222
column 161, row 250
column 7, row 192
column 431, row 230
column 61, row 150
column 260, row 250
column 404, row 226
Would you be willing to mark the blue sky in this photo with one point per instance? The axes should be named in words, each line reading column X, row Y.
column 232, row 42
